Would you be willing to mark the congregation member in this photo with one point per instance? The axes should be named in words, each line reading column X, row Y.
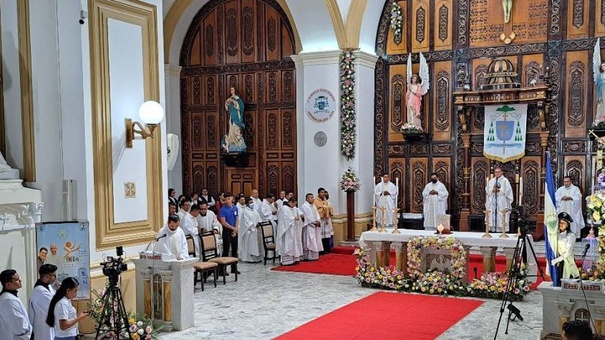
column 172, row 197
column 577, row 330
column 14, row 321
column 289, row 229
column 249, row 236
column 434, row 202
column 311, row 234
column 195, row 199
column 62, row 315
column 172, row 208
column 499, row 194
column 182, row 199
column 208, row 199
column 219, row 204
column 171, row 239
column 385, row 193
column 39, row 302
column 566, row 240
column 325, row 210
column 229, row 219
column 569, row 199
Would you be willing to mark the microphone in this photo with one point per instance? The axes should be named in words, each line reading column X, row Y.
column 161, row 237
column 514, row 310
column 585, row 250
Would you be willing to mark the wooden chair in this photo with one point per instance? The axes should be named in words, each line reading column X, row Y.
column 268, row 240
column 210, row 254
column 200, row 267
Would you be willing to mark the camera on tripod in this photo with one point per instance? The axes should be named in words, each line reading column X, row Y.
column 114, row 266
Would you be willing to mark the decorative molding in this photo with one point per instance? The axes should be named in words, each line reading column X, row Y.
column 27, row 99
column 500, row 51
column 420, row 24
column 316, row 58
column 365, row 59
column 239, row 68
column 443, row 22
column 462, row 21
column 578, row 13
column 109, row 233
column 555, row 17
column 574, row 146
column 172, row 71
column 575, row 116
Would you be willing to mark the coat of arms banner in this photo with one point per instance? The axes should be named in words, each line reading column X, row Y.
column 505, row 132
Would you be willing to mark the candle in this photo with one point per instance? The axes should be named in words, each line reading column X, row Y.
column 397, row 186
column 521, row 191
column 592, row 179
column 374, row 194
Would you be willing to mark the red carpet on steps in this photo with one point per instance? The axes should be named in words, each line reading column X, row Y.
column 392, row 316
column 341, row 262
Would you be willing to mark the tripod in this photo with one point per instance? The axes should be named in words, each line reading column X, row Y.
column 495, row 193
column 113, row 317
column 514, row 274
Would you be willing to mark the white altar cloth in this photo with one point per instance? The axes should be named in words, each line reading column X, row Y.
column 473, row 239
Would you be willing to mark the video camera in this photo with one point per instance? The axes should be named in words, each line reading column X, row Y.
column 114, row 266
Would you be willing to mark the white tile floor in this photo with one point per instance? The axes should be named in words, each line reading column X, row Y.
column 264, row 304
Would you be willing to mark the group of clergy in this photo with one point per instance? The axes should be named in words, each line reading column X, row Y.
column 299, row 233
column 499, row 200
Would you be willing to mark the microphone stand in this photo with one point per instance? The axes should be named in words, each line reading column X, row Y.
column 582, row 289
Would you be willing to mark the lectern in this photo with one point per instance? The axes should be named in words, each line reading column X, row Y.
column 165, row 290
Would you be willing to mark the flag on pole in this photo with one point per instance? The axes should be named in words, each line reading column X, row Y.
column 550, row 223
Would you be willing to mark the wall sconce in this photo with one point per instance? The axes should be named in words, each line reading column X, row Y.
column 151, row 114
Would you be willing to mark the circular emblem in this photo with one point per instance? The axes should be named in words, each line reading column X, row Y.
column 320, row 138
column 321, row 105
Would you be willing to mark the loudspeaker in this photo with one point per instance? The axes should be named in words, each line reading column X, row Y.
column 69, row 200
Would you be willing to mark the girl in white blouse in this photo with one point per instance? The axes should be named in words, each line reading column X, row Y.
column 61, row 313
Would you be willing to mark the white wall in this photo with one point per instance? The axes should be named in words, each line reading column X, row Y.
column 173, row 122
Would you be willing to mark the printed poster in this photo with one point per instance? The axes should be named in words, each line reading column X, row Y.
column 65, row 244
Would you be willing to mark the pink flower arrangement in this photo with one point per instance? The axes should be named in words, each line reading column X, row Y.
column 349, row 181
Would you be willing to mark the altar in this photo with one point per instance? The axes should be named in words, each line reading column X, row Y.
column 378, row 246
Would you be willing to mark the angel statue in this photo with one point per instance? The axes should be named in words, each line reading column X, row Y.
column 598, row 67
column 418, row 86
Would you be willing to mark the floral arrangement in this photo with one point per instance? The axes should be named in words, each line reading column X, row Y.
column 489, row 285
column 595, row 206
column 408, row 128
column 349, row 181
column 138, row 328
column 348, row 135
column 396, row 23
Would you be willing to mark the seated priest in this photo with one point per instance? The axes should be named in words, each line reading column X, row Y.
column 564, row 260
column 171, row 239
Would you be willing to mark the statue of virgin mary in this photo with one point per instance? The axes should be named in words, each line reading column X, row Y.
column 233, row 141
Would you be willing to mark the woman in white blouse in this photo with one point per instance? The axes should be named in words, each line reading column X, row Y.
column 61, row 313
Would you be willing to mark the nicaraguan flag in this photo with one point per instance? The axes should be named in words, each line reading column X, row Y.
column 550, row 223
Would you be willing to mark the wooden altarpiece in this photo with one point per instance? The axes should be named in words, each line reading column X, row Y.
column 502, row 87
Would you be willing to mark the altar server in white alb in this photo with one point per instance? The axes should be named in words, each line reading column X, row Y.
column 569, row 200
column 14, row 322
column 289, row 229
column 189, row 223
column 171, row 239
column 311, row 234
column 268, row 210
column 249, row 235
column 39, row 302
column 386, row 193
column 434, row 202
column 499, row 194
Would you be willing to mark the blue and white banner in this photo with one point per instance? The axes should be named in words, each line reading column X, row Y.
column 505, row 132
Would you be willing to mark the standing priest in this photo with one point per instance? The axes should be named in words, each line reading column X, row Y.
column 499, row 200
column 434, row 202
column 385, row 194
column 569, row 200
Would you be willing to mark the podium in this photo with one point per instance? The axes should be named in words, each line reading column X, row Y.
column 165, row 290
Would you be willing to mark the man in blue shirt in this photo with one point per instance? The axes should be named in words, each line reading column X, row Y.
column 229, row 220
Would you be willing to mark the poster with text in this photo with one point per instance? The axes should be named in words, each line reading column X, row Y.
column 65, row 244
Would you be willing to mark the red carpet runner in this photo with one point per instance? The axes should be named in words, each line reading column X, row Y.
column 342, row 262
column 388, row 316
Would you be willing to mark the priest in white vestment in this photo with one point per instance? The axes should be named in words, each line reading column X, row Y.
column 569, row 200
column 499, row 200
column 208, row 222
column 171, row 239
column 249, row 235
column 434, row 202
column 289, row 224
column 257, row 201
column 189, row 225
column 385, row 194
column 14, row 321
column 39, row 301
column 268, row 211
column 311, row 233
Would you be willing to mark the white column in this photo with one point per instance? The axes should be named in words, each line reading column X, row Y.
column 172, row 74
column 318, row 166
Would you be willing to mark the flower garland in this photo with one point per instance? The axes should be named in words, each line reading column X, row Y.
column 490, row 285
column 396, row 23
column 139, row 328
column 349, row 181
column 452, row 244
column 348, row 135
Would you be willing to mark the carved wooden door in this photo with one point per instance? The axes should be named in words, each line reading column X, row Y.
column 243, row 44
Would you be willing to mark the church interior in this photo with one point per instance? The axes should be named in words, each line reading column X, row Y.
column 272, row 96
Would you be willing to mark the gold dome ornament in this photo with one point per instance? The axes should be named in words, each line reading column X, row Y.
column 509, row 39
